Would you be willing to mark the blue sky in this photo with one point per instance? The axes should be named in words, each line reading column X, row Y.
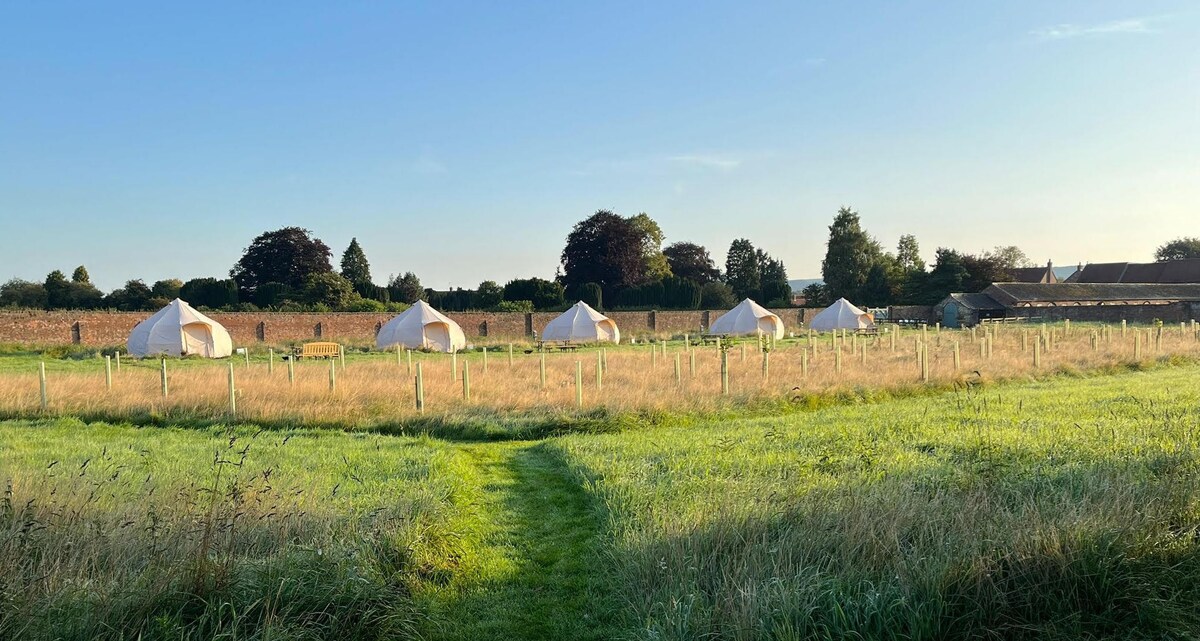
column 462, row 140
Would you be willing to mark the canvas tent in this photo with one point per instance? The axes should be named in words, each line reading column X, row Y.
column 746, row 319
column 421, row 327
column 582, row 323
column 841, row 315
column 179, row 330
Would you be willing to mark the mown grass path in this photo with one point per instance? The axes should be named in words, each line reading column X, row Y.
column 532, row 567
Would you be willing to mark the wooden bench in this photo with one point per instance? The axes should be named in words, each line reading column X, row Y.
column 545, row 346
column 317, row 350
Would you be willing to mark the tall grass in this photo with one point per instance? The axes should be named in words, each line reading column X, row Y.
column 110, row 532
column 1060, row 511
column 374, row 390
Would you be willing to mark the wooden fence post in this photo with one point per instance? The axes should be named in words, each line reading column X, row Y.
column 599, row 371
column 484, row 361
column 270, row 360
column 804, row 363
column 292, row 371
column 678, row 371
column 163, row 377
column 1037, row 353
column 118, row 361
column 408, row 361
column 332, row 375
column 342, row 356
column 232, row 393
column 467, row 381
column 579, row 384
column 453, row 364
column 510, row 355
column 725, row 372
column 542, row 366
column 957, row 357
column 42, row 385
column 692, row 363
column 419, row 381
column 108, row 373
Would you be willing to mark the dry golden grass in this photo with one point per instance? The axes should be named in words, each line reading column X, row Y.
column 374, row 389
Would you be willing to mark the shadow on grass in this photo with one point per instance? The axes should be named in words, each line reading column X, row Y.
column 979, row 543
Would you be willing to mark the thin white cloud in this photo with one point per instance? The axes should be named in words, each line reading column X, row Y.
column 707, row 161
column 427, row 166
column 1067, row 31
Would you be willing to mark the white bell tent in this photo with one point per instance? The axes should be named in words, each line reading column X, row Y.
column 422, row 327
column 582, row 323
column 179, row 330
column 841, row 315
column 748, row 318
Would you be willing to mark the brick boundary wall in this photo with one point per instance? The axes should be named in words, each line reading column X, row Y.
column 112, row 328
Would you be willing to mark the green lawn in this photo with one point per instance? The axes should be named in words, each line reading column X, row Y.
column 1067, row 508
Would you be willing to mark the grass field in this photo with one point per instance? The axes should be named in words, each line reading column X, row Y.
column 618, row 386
column 1054, row 505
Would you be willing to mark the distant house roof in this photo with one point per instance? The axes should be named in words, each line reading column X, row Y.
column 1035, row 274
column 1175, row 271
column 1057, row 294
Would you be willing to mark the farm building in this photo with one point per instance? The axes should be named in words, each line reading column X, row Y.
column 1168, row 272
column 1135, row 302
column 1044, row 275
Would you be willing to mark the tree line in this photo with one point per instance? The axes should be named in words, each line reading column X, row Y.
column 609, row 261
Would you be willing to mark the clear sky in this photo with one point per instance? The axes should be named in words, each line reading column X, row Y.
column 463, row 140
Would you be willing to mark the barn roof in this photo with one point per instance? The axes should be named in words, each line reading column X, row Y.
column 1023, row 294
column 1174, row 271
column 1034, row 275
column 973, row 301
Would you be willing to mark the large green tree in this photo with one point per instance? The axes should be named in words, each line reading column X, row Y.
column 1178, row 249
column 406, row 288
column 542, row 293
column 329, row 289
column 355, row 267
column 654, row 262
column 488, row 295
column 606, row 249
column 23, row 294
column 211, row 293
column 949, row 274
column 774, row 289
column 850, row 253
column 742, row 269
column 58, row 290
column 691, row 261
column 289, row 256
